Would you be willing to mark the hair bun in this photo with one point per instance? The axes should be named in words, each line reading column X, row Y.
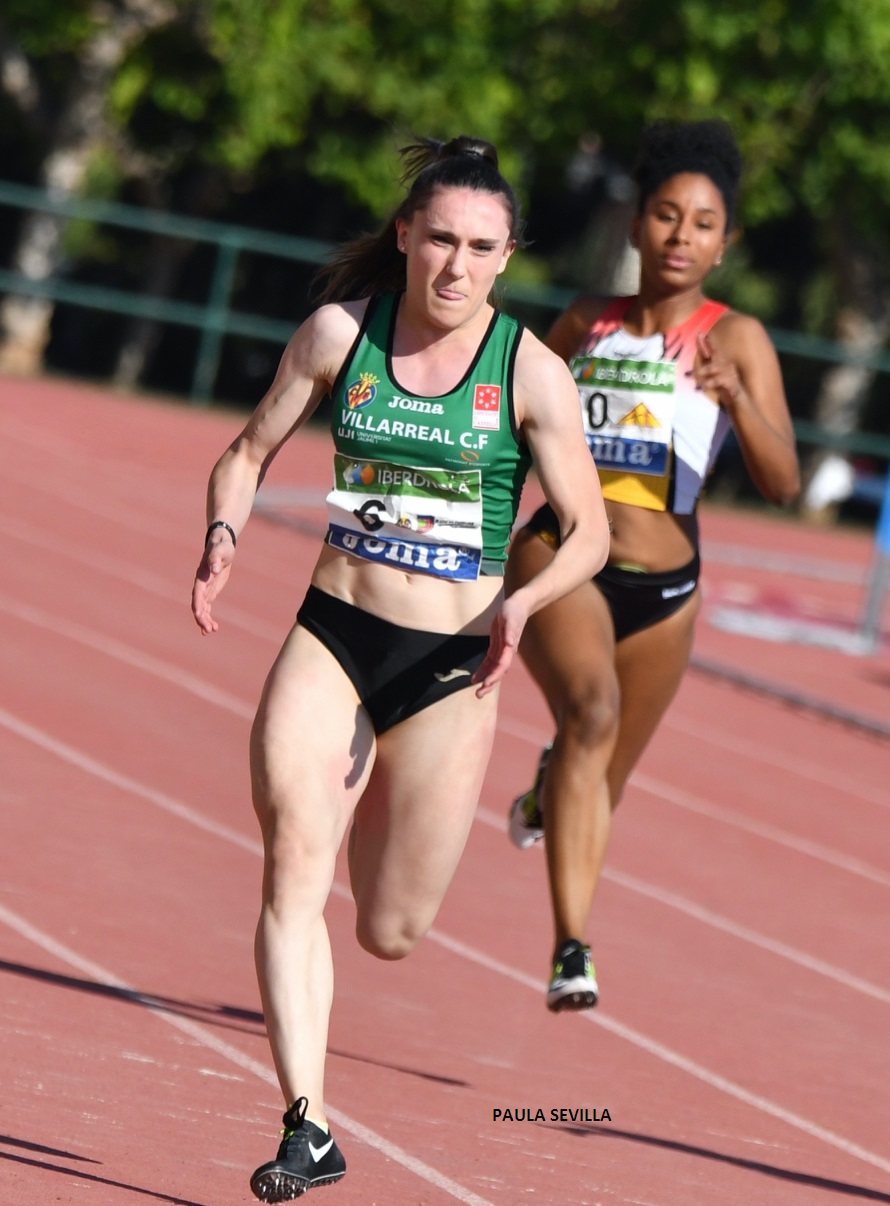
column 425, row 152
column 464, row 144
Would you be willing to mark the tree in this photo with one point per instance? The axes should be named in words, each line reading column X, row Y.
column 226, row 89
column 806, row 85
column 99, row 34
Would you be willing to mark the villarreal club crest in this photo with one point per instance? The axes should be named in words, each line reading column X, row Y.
column 362, row 392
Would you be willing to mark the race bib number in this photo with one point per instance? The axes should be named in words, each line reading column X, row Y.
column 423, row 519
column 628, row 410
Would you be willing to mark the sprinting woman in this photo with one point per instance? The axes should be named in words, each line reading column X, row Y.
column 662, row 376
column 379, row 712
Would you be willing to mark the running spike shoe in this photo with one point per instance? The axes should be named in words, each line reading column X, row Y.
column 307, row 1157
column 573, row 983
column 526, row 822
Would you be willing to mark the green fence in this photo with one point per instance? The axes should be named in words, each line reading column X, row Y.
column 215, row 318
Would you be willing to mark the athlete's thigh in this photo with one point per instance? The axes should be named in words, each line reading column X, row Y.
column 413, row 820
column 312, row 744
column 568, row 646
column 650, row 666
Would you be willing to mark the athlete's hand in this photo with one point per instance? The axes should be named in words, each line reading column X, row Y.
column 211, row 577
column 715, row 372
column 506, row 629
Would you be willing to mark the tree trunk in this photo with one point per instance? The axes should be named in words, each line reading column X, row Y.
column 600, row 200
column 166, row 258
column 143, row 334
column 80, row 130
column 19, row 81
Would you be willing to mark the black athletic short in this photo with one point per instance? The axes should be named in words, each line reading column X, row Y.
column 636, row 600
column 396, row 671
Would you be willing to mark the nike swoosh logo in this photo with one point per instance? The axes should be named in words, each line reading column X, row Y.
column 452, row 674
column 318, row 1152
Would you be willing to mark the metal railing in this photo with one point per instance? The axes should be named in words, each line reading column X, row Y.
column 216, row 318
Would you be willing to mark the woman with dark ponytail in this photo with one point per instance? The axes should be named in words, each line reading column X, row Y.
column 372, row 263
column 662, row 376
column 440, row 407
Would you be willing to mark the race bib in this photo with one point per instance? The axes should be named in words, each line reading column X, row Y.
column 428, row 520
column 628, row 411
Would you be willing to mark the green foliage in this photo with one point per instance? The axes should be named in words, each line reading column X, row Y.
column 85, row 239
column 104, row 175
column 339, row 84
column 348, row 81
column 746, row 288
column 169, row 95
column 45, row 27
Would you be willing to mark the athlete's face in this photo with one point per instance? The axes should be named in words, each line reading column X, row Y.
column 681, row 234
column 456, row 248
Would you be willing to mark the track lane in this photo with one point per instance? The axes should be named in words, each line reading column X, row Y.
column 437, row 1076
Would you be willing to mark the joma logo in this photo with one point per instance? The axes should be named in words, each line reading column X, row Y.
column 426, row 408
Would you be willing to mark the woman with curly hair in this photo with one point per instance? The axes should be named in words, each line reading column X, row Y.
column 662, row 376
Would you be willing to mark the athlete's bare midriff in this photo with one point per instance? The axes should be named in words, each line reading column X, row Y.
column 413, row 600
column 656, row 541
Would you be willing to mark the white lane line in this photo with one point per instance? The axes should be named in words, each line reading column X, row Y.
column 234, row 1056
column 91, row 766
column 122, row 652
column 801, row 767
column 161, row 800
column 726, row 925
column 651, row 1046
column 785, row 563
column 92, row 502
column 684, row 799
column 660, row 1051
column 761, row 829
column 138, row 576
column 743, row 932
column 168, row 672
column 174, row 532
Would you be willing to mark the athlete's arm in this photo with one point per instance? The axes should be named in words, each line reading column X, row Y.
column 572, row 326
column 549, row 417
column 737, row 362
column 307, row 371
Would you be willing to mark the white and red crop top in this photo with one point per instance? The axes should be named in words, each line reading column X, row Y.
column 653, row 434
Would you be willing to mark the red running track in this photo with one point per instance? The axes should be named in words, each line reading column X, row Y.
column 741, row 1047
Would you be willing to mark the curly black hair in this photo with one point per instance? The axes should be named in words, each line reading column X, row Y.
column 706, row 147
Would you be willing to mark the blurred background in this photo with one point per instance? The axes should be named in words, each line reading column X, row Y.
column 172, row 172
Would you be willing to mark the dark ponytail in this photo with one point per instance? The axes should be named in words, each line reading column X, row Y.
column 373, row 264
